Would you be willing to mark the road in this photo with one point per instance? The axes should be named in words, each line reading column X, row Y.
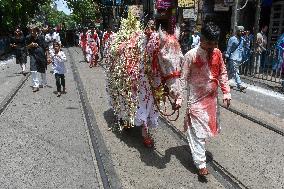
column 66, row 142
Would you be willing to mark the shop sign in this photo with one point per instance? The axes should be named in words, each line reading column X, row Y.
column 185, row 3
column 221, row 7
column 164, row 4
column 189, row 13
column 229, row 2
column 137, row 10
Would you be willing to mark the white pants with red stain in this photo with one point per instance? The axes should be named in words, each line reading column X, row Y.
column 197, row 147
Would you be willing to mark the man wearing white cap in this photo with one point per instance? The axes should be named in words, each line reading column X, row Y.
column 234, row 55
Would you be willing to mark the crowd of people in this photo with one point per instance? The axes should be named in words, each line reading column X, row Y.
column 199, row 70
column 93, row 42
column 44, row 48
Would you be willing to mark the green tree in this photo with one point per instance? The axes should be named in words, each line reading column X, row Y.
column 18, row 12
column 84, row 11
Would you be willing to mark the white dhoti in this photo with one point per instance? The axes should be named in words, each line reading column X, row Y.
column 197, row 147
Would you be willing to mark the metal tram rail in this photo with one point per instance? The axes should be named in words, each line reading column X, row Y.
column 108, row 175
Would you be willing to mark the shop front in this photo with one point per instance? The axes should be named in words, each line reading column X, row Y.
column 166, row 14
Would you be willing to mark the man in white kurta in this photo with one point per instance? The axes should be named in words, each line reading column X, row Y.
column 203, row 71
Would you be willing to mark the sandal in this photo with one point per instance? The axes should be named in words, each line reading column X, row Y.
column 203, row 172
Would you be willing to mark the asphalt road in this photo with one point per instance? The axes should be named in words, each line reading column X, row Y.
column 44, row 139
column 46, row 143
column 262, row 99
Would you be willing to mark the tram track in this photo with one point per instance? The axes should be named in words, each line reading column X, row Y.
column 107, row 173
column 254, row 119
column 4, row 104
column 227, row 179
column 106, row 170
column 218, row 171
column 108, row 176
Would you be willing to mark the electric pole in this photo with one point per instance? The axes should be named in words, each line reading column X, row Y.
column 234, row 20
column 256, row 29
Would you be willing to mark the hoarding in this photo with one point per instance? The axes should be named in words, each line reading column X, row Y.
column 164, row 4
column 189, row 13
column 185, row 3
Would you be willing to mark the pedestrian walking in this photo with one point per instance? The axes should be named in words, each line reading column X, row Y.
column 84, row 41
column 92, row 53
column 18, row 44
column 234, row 55
column 38, row 51
column 106, row 36
column 51, row 37
column 203, row 70
column 58, row 58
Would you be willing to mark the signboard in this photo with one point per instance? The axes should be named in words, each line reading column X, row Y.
column 137, row 10
column 164, row 4
column 185, row 3
column 221, row 7
column 229, row 2
column 189, row 13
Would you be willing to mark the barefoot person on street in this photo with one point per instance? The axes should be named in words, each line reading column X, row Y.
column 203, row 71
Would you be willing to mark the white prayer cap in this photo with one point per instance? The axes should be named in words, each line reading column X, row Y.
column 239, row 28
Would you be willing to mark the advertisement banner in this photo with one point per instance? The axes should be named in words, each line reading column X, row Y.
column 164, row 4
column 185, row 3
column 189, row 13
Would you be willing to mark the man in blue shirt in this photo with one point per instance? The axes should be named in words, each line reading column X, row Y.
column 234, row 55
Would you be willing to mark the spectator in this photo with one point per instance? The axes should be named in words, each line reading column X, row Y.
column 247, row 46
column 51, row 37
column 234, row 55
column 195, row 40
column 261, row 43
column 280, row 57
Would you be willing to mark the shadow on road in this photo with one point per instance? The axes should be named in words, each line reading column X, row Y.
column 151, row 157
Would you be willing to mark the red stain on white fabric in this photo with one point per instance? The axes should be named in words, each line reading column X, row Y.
column 203, row 75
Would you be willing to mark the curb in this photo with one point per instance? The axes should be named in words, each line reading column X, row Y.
column 276, row 87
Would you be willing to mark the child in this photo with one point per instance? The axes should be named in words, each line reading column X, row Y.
column 58, row 58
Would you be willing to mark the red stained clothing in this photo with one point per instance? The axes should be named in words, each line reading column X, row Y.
column 203, row 73
column 83, row 41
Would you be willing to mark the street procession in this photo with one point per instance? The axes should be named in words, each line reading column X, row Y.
column 142, row 94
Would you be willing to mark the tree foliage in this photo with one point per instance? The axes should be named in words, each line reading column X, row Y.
column 48, row 15
column 21, row 12
column 18, row 12
column 84, row 11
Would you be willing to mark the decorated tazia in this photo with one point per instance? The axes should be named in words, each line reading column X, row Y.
column 124, row 58
column 143, row 68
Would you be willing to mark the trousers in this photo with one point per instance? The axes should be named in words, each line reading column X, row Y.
column 60, row 81
column 197, row 147
column 38, row 78
column 234, row 72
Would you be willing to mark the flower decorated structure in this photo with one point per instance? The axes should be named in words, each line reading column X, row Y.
column 123, row 61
